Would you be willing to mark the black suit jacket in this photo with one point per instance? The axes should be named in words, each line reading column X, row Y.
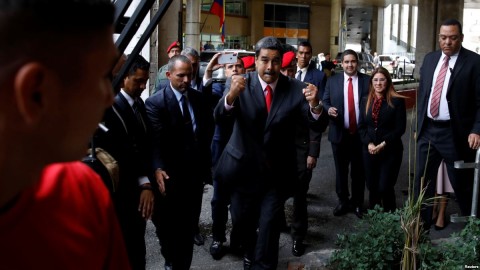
column 463, row 97
column 334, row 97
column 127, row 143
column 391, row 123
column 261, row 151
column 169, row 150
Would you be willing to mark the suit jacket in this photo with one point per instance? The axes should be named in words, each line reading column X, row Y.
column 260, row 153
column 169, row 151
column 334, row 97
column 128, row 143
column 463, row 97
column 391, row 123
column 317, row 78
column 308, row 141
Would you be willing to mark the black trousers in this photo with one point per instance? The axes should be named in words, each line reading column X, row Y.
column 300, row 214
column 381, row 172
column 349, row 153
column 434, row 144
column 175, row 218
column 258, row 210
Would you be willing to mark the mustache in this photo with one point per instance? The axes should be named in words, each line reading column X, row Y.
column 269, row 72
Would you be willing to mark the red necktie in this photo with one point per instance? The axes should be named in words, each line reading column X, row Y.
column 268, row 97
column 437, row 90
column 352, row 118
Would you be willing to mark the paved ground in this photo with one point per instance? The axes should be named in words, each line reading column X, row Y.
column 323, row 226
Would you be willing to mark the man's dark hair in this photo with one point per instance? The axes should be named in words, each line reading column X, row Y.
column 181, row 58
column 269, row 43
column 453, row 22
column 305, row 43
column 347, row 52
column 138, row 63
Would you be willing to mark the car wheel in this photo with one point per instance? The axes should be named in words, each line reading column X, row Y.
column 400, row 73
column 413, row 72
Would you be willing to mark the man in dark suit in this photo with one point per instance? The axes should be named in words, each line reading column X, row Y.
column 448, row 115
column 305, row 71
column 308, row 149
column 196, row 83
column 221, row 191
column 182, row 128
column 127, row 142
column 343, row 94
column 259, row 160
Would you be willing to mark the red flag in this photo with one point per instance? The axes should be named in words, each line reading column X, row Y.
column 218, row 8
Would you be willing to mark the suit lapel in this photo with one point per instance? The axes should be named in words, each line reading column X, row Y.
column 430, row 71
column 458, row 66
column 341, row 85
column 125, row 111
column 257, row 91
column 173, row 105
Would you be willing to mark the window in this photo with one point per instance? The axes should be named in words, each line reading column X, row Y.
column 289, row 23
column 232, row 7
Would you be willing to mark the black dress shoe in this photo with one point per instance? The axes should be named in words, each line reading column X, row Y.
column 298, row 248
column 216, row 250
column 247, row 263
column 168, row 266
column 341, row 209
column 198, row 239
column 358, row 211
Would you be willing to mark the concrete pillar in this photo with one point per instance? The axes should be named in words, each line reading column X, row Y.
column 192, row 24
column 169, row 30
column 399, row 24
column 409, row 32
column 374, row 27
column 257, row 9
column 335, row 13
column 427, row 36
column 379, row 18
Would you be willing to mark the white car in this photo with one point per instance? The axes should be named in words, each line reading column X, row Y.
column 405, row 67
column 386, row 61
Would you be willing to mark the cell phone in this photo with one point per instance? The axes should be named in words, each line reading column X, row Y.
column 227, row 58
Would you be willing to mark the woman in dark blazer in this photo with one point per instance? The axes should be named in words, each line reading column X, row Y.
column 384, row 122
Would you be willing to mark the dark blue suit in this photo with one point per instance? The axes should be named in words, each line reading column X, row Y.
column 259, row 161
column 449, row 141
column 188, row 164
column 347, row 148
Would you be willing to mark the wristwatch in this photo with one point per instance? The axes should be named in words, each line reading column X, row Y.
column 319, row 105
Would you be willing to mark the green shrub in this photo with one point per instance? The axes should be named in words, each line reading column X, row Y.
column 376, row 244
column 462, row 249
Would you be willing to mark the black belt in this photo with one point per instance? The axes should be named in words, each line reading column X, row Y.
column 439, row 123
